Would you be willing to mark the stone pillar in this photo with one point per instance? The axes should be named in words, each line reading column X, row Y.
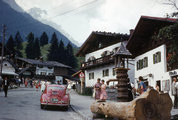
column 122, row 78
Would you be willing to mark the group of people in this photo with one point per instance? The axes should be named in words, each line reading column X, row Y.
column 100, row 90
column 101, row 95
column 175, row 91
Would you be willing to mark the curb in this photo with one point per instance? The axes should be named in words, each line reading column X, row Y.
column 80, row 114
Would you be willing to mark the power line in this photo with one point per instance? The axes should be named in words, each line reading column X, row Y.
column 61, row 14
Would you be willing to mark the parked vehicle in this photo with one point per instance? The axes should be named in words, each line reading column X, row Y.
column 55, row 95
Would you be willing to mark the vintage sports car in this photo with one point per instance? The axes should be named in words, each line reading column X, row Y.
column 55, row 95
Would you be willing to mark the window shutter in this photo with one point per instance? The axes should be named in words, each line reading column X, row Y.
column 146, row 61
column 137, row 66
column 159, row 56
column 153, row 58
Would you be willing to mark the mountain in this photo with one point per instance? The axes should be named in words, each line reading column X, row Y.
column 17, row 20
column 37, row 13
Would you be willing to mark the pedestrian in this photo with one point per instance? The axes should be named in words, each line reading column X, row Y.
column 103, row 95
column 5, row 84
column 37, row 86
column 157, row 87
column 97, row 88
column 130, row 95
column 174, row 91
column 26, row 82
column 142, row 86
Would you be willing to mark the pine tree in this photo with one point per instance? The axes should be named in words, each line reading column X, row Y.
column 18, row 44
column 10, row 45
column 61, row 53
column 37, row 52
column 71, row 60
column 30, row 46
column 43, row 39
column 53, row 51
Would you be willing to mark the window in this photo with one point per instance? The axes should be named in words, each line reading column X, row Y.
column 145, row 62
column 50, row 73
column 106, row 72
column 142, row 63
column 91, row 75
column 43, row 73
column 157, row 57
column 113, row 72
column 5, row 64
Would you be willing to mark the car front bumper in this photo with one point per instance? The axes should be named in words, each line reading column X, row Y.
column 52, row 104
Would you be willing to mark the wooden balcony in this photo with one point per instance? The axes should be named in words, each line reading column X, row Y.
column 97, row 62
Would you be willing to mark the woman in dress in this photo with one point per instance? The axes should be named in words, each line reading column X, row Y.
column 97, row 88
column 103, row 95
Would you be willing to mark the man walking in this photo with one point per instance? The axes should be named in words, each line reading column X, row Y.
column 5, row 84
column 174, row 91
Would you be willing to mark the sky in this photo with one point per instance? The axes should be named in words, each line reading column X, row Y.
column 80, row 17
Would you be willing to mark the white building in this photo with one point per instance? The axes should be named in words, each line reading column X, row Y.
column 98, row 51
column 151, row 54
column 8, row 68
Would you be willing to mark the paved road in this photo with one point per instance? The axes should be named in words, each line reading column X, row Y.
column 24, row 104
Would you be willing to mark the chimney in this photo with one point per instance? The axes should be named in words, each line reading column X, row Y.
column 131, row 31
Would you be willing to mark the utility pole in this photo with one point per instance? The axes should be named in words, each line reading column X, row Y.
column 2, row 50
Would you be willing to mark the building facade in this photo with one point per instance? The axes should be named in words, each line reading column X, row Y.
column 151, row 54
column 98, row 51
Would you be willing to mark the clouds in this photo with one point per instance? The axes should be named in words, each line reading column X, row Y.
column 80, row 17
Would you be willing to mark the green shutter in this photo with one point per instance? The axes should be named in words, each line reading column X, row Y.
column 159, row 56
column 153, row 58
column 146, row 61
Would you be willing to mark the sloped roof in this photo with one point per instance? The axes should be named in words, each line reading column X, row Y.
column 44, row 63
column 105, row 38
column 122, row 50
column 144, row 29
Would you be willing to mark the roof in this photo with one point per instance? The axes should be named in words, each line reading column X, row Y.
column 57, row 64
column 25, row 69
column 104, row 39
column 13, row 65
column 144, row 29
column 44, row 63
column 122, row 50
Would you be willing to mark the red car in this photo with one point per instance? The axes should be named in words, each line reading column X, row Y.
column 55, row 95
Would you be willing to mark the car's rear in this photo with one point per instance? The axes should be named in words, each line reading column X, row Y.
column 55, row 95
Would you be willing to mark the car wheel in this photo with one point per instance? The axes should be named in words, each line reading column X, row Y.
column 66, row 108
column 42, row 106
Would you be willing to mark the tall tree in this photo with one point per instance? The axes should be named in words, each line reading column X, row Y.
column 53, row 51
column 61, row 53
column 43, row 39
column 30, row 46
column 37, row 52
column 54, row 37
column 18, row 44
column 10, row 45
column 71, row 60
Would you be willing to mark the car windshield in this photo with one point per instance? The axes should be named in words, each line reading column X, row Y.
column 55, row 88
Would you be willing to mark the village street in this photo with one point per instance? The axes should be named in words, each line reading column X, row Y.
column 24, row 104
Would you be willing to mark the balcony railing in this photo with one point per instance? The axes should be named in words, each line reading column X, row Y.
column 97, row 62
